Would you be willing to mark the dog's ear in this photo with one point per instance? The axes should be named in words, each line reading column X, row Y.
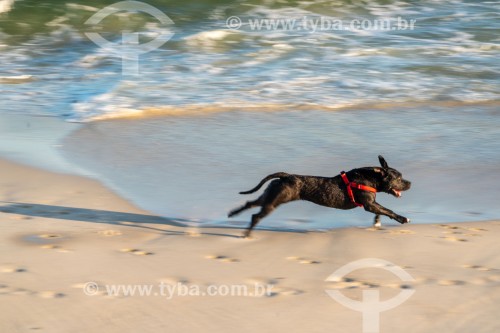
column 383, row 163
column 379, row 170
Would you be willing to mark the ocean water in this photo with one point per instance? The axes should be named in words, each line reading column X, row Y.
column 214, row 110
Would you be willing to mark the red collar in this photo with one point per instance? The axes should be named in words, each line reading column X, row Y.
column 351, row 185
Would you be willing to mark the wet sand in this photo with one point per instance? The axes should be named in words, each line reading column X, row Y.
column 67, row 239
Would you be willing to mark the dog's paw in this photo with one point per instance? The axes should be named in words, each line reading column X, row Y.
column 403, row 220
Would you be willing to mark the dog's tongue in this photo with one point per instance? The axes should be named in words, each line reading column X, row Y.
column 397, row 193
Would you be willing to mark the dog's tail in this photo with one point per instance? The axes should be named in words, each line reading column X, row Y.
column 274, row 175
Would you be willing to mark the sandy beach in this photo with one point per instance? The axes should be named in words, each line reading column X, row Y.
column 129, row 129
column 66, row 240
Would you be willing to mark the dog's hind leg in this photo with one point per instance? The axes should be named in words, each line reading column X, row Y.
column 248, row 205
column 376, row 222
column 277, row 193
column 266, row 210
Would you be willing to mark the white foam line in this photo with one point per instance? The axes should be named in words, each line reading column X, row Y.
column 16, row 79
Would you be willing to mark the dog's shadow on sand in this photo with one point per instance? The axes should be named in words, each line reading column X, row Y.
column 107, row 217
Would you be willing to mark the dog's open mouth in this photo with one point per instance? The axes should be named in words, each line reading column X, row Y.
column 395, row 193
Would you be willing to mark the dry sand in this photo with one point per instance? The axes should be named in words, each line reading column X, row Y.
column 60, row 232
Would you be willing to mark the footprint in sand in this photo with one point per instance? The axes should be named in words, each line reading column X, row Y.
column 283, row 291
column 269, row 287
column 49, row 236
column 405, row 286
column 488, row 280
column 477, row 229
column 4, row 289
column 351, row 283
column 12, row 269
column 346, row 283
column 397, row 285
column 452, row 232
column 50, row 246
column 221, row 258
column 477, row 267
column 109, row 233
column 44, row 239
column 263, row 280
column 402, row 232
column 447, row 226
column 454, row 239
column 451, row 282
column 302, row 260
column 54, row 247
column 136, row 252
column 454, row 227
column 50, row 294
column 173, row 280
column 22, row 291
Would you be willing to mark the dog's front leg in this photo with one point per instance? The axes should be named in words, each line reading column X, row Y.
column 377, row 209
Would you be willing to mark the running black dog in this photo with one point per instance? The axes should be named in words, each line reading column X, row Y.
column 355, row 188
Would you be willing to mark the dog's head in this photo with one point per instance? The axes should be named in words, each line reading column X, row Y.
column 392, row 180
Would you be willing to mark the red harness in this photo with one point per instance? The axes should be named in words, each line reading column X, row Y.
column 351, row 185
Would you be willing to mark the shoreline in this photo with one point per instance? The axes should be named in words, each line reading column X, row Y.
column 34, row 140
column 116, row 200
column 170, row 177
column 61, row 232
column 130, row 206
